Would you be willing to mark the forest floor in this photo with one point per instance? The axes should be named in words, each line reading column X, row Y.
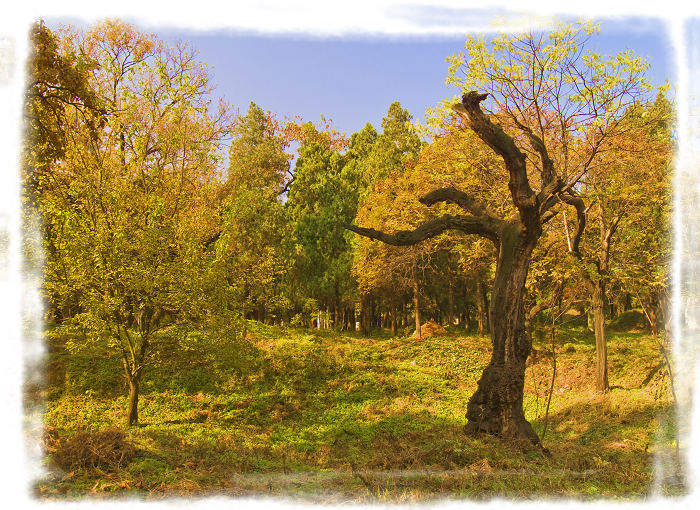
column 323, row 417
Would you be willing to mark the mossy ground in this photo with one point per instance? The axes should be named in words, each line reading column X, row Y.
column 328, row 417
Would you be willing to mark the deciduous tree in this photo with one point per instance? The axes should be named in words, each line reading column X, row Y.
column 547, row 109
column 129, row 202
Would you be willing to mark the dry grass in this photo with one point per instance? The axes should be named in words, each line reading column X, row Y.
column 107, row 449
column 430, row 328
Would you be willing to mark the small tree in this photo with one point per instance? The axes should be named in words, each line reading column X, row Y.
column 129, row 202
column 614, row 205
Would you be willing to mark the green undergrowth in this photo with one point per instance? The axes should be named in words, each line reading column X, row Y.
column 326, row 417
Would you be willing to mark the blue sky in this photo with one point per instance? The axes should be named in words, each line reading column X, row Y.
column 353, row 80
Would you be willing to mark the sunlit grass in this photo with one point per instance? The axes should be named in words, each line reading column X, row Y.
column 334, row 418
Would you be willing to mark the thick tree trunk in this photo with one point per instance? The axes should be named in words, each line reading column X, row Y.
column 497, row 405
column 601, row 348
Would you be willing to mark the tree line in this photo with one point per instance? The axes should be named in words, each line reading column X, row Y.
column 545, row 185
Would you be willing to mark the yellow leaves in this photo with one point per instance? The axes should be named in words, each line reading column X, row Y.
column 119, row 37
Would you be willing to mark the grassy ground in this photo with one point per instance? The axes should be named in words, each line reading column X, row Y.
column 324, row 417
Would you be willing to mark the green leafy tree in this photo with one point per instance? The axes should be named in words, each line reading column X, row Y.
column 58, row 82
column 318, row 206
column 254, row 221
column 58, row 85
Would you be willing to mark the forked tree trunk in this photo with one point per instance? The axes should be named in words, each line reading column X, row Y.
column 596, row 289
column 497, row 405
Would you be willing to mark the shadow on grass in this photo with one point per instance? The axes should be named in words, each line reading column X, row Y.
column 606, row 430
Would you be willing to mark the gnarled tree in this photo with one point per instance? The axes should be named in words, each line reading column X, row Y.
column 551, row 112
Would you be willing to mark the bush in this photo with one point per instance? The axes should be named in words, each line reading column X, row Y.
column 632, row 320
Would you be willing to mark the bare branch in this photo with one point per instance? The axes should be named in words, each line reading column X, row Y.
column 580, row 207
column 457, row 197
column 431, row 228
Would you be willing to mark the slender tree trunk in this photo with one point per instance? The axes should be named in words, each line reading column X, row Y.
column 598, row 299
column 416, row 303
column 394, row 324
column 653, row 311
column 627, row 306
column 450, row 306
column 364, row 316
column 482, row 307
column 497, row 405
column 132, row 416
column 601, row 348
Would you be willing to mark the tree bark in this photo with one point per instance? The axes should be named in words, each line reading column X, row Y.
column 132, row 416
column 497, row 405
column 627, row 303
column 364, row 316
column 482, row 308
column 450, row 305
column 599, row 301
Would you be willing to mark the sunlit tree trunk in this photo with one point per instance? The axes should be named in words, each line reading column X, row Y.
column 416, row 302
column 497, row 405
column 482, row 308
column 132, row 417
column 601, row 348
